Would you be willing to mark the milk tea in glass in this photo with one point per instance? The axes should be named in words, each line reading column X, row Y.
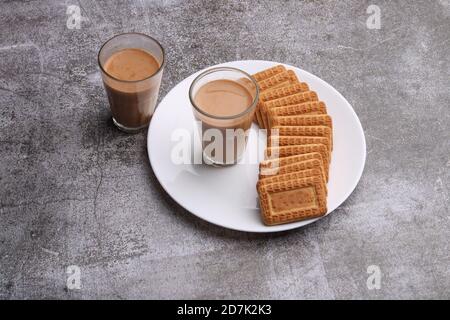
column 224, row 101
column 131, row 66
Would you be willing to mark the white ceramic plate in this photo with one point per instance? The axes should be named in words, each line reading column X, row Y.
column 227, row 196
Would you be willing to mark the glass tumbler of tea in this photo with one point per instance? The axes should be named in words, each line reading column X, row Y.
column 131, row 66
column 224, row 100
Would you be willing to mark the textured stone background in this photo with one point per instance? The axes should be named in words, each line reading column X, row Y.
column 76, row 191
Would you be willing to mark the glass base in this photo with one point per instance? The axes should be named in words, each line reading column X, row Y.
column 207, row 160
column 128, row 129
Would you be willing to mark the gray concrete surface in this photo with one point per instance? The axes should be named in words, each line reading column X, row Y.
column 76, row 191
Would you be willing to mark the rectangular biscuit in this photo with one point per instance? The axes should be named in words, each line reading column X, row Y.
column 301, row 166
column 292, row 200
column 301, row 120
column 267, row 73
column 277, row 93
column 286, row 151
column 298, row 174
column 285, row 161
column 282, row 79
column 315, row 107
column 291, row 150
column 297, row 98
column 263, row 75
column 275, row 140
column 257, row 117
column 316, row 131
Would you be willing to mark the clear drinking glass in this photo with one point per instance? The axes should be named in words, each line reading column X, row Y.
column 132, row 102
column 228, row 133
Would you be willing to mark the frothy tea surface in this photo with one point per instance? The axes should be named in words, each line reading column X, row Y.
column 223, row 98
column 131, row 64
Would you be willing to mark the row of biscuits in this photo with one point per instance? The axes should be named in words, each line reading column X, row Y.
column 292, row 183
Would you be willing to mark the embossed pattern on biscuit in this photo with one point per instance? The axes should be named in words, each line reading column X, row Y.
column 259, row 77
column 302, row 120
column 274, row 166
column 275, row 141
column 319, row 131
column 292, row 200
column 285, row 161
column 288, row 100
column 316, row 107
column 267, row 73
column 277, row 93
column 278, row 80
column 302, row 169
column 297, row 98
column 293, row 176
column 303, row 173
column 285, row 151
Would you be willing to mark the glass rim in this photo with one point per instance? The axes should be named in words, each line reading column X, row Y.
column 216, row 69
column 137, row 34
